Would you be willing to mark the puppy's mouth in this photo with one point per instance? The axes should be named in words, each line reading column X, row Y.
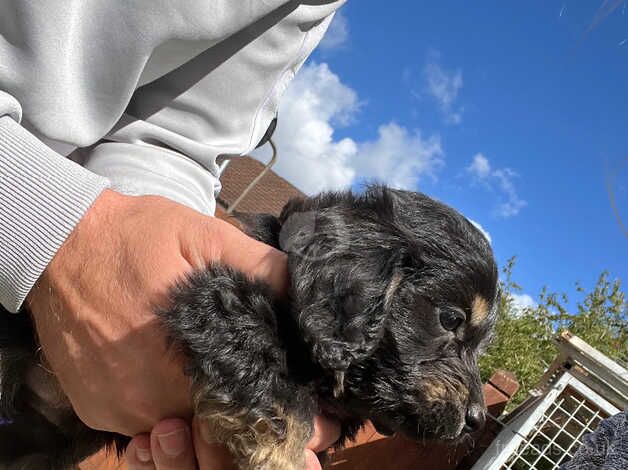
column 387, row 426
column 412, row 430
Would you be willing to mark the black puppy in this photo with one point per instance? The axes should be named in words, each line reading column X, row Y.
column 392, row 299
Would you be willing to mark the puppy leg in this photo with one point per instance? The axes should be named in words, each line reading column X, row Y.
column 251, row 383
column 258, row 439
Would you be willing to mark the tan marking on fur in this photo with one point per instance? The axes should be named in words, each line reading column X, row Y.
column 479, row 310
column 339, row 385
column 391, row 289
column 277, row 444
column 435, row 391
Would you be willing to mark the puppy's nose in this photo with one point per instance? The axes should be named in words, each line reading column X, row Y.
column 474, row 419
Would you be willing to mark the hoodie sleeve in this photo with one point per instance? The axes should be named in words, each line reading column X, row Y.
column 42, row 197
column 151, row 92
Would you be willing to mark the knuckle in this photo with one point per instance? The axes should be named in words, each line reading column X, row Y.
column 109, row 421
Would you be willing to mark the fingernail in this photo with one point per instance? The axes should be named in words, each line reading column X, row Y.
column 172, row 443
column 143, row 455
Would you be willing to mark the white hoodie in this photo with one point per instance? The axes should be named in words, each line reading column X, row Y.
column 143, row 94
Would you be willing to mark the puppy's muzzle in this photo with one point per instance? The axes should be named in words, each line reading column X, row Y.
column 475, row 418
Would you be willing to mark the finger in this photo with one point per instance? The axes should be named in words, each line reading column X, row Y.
column 171, row 446
column 210, row 455
column 138, row 455
column 311, row 461
column 326, row 432
column 250, row 256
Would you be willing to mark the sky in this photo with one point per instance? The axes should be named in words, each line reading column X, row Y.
column 514, row 113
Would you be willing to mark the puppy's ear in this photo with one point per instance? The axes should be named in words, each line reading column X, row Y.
column 342, row 291
column 346, row 328
column 262, row 227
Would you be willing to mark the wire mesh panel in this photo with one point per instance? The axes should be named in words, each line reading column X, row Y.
column 558, row 433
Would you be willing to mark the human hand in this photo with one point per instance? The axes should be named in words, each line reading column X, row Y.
column 93, row 306
column 171, row 445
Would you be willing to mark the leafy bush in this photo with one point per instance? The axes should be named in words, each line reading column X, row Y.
column 524, row 337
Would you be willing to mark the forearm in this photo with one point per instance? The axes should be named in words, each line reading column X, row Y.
column 42, row 197
column 211, row 95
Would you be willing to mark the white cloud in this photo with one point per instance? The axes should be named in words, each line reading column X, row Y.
column 499, row 180
column 399, row 157
column 337, row 34
column 522, row 301
column 480, row 167
column 313, row 159
column 513, row 203
column 482, row 230
column 444, row 86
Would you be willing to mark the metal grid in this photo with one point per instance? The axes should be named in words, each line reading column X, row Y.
column 558, row 433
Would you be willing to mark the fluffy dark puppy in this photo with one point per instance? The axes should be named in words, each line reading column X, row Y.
column 392, row 299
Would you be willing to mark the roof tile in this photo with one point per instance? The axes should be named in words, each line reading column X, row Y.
column 268, row 196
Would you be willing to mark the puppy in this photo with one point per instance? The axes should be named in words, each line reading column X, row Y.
column 392, row 299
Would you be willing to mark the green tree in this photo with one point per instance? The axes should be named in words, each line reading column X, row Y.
column 524, row 337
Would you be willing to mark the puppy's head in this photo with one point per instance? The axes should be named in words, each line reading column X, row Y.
column 395, row 296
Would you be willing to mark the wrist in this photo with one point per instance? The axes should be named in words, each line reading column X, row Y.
column 43, row 196
column 103, row 212
column 97, row 226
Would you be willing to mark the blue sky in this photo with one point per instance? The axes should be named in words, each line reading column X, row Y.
column 515, row 113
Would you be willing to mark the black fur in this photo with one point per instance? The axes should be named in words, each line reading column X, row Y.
column 358, row 338
column 28, row 439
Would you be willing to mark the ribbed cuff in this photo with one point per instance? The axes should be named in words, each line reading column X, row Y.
column 42, row 197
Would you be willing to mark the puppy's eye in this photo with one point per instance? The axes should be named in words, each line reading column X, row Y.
column 451, row 319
